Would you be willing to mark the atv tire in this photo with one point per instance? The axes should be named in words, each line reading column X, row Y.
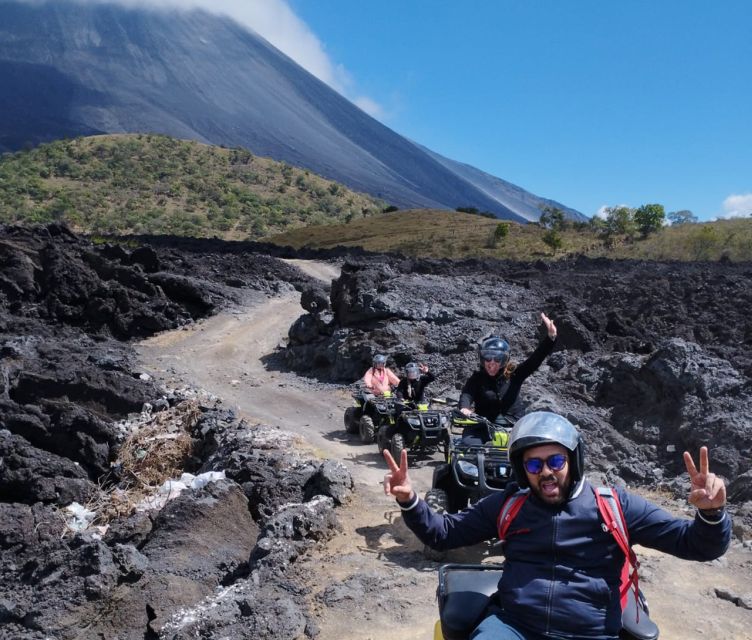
column 367, row 429
column 382, row 441
column 351, row 419
column 438, row 501
column 396, row 446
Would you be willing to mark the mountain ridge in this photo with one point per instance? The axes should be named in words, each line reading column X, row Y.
column 194, row 75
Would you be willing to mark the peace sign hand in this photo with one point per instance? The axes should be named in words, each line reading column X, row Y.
column 397, row 481
column 708, row 491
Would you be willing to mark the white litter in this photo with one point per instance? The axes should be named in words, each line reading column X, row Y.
column 80, row 517
column 171, row 489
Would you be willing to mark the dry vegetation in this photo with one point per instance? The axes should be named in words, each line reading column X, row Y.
column 448, row 234
column 156, row 449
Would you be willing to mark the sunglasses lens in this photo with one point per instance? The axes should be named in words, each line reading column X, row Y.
column 492, row 358
column 555, row 462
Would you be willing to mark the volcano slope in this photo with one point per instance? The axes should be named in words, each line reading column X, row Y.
column 282, row 548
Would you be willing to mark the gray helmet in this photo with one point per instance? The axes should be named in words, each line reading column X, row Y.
column 494, row 347
column 379, row 360
column 545, row 427
column 412, row 371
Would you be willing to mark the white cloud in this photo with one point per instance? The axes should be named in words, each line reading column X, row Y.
column 275, row 21
column 738, row 206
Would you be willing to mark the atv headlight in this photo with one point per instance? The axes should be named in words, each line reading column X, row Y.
column 413, row 422
column 467, row 468
column 381, row 407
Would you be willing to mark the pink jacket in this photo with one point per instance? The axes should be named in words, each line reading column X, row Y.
column 380, row 381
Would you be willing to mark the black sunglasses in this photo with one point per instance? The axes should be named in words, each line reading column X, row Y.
column 555, row 462
column 493, row 358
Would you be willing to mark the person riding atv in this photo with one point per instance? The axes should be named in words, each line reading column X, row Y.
column 416, row 427
column 369, row 412
column 493, row 390
column 563, row 568
column 373, row 401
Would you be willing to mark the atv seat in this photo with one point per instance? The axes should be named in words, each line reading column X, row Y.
column 464, row 592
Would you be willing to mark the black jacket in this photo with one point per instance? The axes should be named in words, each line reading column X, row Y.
column 413, row 390
column 496, row 395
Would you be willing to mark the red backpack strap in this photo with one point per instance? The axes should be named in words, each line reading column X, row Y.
column 614, row 523
column 509, row 511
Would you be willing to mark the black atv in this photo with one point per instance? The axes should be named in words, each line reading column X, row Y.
column 471, row 472
column 416, row 428
column 368, row 413
column 465, row 590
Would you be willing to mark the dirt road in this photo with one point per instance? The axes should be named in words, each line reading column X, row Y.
column 390, row 585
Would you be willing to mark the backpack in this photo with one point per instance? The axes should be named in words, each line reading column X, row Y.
column 612, row 516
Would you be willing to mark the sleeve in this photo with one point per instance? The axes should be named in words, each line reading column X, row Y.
column 401, row 389
column 427, row 378
column 392, row 377
column 449, row 531
column 530, row 366
column 700, row 538
column 467, row 396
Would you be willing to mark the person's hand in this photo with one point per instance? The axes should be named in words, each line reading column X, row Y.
column 466, row 410
column 423, row 368
column 397, row 481
column 708, row 491
column 550, row 326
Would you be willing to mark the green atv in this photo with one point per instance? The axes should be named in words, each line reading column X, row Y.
column 368, row 413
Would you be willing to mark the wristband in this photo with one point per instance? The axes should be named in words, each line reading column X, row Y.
column 409, row 505
column 716, row 515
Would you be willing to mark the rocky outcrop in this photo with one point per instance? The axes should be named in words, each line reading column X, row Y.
column 68, row 388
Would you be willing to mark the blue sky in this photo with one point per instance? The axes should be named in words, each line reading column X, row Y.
column 592, row 103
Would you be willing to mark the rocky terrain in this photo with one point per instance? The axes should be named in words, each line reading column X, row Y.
column 651, row 359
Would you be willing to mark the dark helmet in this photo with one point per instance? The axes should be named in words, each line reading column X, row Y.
column 379, row 360
column 494, row 347
column 412, row 371
column 544, row 427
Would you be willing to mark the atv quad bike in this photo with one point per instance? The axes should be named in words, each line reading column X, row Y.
column 465, row 590
column 416, row 428
column 471, row 472
column 368, row 413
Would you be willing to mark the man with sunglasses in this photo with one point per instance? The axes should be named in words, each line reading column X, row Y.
column 494, row 389
column 562, row 570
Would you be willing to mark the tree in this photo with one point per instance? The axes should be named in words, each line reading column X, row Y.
column 620, row 221
column 501, row 231
column 682, row 217
column 649, row 218
column 552, row 218
column 553, row 240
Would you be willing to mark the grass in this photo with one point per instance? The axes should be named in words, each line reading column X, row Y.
column 447, row 234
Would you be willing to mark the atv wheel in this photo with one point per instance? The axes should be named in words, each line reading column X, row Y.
column 381, row 439
column 351, row 419
column 367, row 430
column 396, row 446
column 438, row 500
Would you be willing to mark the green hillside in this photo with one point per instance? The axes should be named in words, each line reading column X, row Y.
column 151, row 184
column 155, row 184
